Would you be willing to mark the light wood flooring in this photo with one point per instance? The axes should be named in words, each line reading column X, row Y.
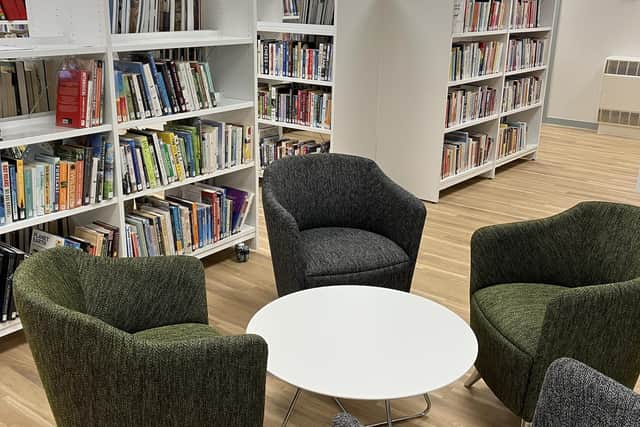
column 572, row 166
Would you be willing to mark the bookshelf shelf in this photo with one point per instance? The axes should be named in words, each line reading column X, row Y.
column 521, row 109
column 295, row 80
column 472, row 123
column 284, row 27
column 515, row 156
column 294, row 126
column 10, row 327
column 525, row 70
column 466, row 175
column 36, row 50
column 477, row 34
column 530, row 30
column 174, row 40
column 32, row 222
column 224, row 106
column 188, row 181
column 453, row 83
column 38, row 130
column 246, row 233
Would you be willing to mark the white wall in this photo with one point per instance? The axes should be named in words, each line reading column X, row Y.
column 588, row 31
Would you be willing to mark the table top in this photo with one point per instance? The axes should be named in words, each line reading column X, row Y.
column 364, row 343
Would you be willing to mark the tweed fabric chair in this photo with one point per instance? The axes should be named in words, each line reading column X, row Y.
column 573, row 394
column 335, row 219
column 125, row 342
column 564, row 286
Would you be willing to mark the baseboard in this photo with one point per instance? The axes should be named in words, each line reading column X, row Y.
column 570, row 123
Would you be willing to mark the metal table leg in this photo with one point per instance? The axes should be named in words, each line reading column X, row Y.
column 292, row 405
column 390, row 421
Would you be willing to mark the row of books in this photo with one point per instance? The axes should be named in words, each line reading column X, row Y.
column 478, row 15
column 154, row 88
column 475, row 59
column 525, row 14
column 13, row 10
column 276, row 148
column 525, row 53
column 512, row 138
column 49, row 178
column 312, row 61
column 10, row 260
column 11, row 30
column 27, row 87
column 187, row 219
column 463, row 151
column 318, row 12
column 469, row 102
column 518, row 93
column 146, row 16
column 152, row 159
column 290, row 104
column 81, row 93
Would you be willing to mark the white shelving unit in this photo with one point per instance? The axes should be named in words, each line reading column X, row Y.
column 81, row 28
column 415, row 78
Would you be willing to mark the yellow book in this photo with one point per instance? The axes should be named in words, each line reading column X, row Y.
column 22, row 201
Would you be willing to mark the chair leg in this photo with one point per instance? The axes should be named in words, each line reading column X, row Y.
column 523, row 423
column 474, row 378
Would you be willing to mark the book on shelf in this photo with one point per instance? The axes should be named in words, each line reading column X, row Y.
column 13, row 10
column 522, row 92
column 512, row 138
column 469, row 102
column 12, row 30
column 10, row 260
column 525, row 53
column 311, row 60
column 273, row 148
column 475, row 59
column 186, row 220
column 525, row 14
column 478, row 15
column 319, row 12
column 81, row 94
column 28, row 87
column 148, row 16
column 47, row 178
column 153, row 159
column 463, row 151
column 295, row 104
column 148, row 87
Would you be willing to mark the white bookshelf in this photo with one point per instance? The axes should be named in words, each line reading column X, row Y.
column 412, row 114
column 84, row 31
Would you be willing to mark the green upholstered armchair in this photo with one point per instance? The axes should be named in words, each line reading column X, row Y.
column 125, row 342
column 564, row 286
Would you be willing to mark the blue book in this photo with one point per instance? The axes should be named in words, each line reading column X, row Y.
column 201, row 233
column 137, row 68
column 136, row 170
column 109, row 165
column 14, row 192
column 162, row 88
column 176, row 223
column 71, row 244
column 28, row 191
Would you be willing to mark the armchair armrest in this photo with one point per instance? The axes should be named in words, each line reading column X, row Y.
column 134, row 294
column 597, row 325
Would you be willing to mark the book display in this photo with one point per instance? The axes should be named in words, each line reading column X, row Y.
column 119, row 111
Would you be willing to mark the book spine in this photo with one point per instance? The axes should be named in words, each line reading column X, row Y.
column 22, row 204
column 6, row 189
column 14, row 192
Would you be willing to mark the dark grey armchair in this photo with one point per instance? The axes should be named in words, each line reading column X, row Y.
column 335, row 219
column 573, row 394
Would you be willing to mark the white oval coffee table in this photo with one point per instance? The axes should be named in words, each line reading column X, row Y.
column 364, row 343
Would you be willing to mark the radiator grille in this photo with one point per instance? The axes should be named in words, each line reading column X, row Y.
column 624, row 118
column 623, row 68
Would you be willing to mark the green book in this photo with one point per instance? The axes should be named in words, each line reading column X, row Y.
column 28, row 190
column 147, row 158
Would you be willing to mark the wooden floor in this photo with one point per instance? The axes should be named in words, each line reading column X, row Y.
column 572, row 166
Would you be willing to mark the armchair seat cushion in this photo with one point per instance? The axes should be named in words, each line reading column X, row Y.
column 336, row 255
column 177, row 333
column 517, row 312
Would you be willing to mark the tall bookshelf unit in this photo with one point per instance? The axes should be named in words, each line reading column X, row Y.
column 81, row 28
column 412, row 114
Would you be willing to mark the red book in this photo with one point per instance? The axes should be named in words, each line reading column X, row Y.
column 14, row 10
column 71, row 105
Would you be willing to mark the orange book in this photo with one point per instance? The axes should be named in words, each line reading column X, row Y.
column 71, row 185
column 79, row 182
column 63, row 195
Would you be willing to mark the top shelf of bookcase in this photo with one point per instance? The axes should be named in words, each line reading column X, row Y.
column 174, row 40
column 45, row 50
column 310, row 29
column 529, row 30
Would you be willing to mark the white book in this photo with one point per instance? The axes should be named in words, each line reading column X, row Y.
column 153, row 91
column 94, row 178
column 144, row 184
column 172, row 15
column 41, row 241
column 39, row 189
column 458, row 16
column 138, row 96
column 134, row 181
column 164, row 176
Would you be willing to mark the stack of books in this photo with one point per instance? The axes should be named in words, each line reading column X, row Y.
column 146, row 16
column 463, row 151
column 147, row 87
column 187, row 219
column 81, row 94
column 518, row 93
column 296, row 105
column 275, row 148
column 478, row 15
column 318, row 12
column 27, row 87
column 475, row 59
column 44, row 179
column 525, row 53
column 512, row 138
column 525, row 14
column 302, row 60
column 152, row 159
column 468, row 102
